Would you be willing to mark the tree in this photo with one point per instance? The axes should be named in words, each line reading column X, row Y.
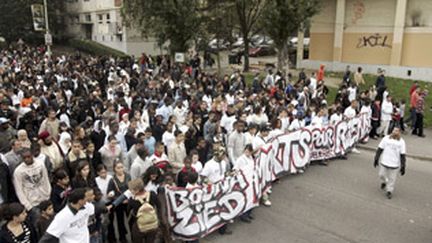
column 282, row 18
column 218, row 24
column 248, row 14
column 175, row 21
column 16, row 19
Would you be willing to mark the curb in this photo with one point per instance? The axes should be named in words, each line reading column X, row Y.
column 413, row 156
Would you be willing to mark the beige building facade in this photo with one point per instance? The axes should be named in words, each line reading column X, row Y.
column 395, row 35
column 101, row 21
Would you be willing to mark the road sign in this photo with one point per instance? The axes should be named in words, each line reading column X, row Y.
column 179, row 57
column 38, row 15
column 48, row 39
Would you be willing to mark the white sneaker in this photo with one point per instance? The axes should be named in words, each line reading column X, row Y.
column 300, row 171
column 269, row 191
column 267, row 203
column 355, row 150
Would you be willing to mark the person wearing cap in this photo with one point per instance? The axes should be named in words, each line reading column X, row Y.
column 214, row 171
column 236, row 141
column 7, row 133
column 50, row 149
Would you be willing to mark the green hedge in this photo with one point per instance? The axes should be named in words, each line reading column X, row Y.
column 95, row 48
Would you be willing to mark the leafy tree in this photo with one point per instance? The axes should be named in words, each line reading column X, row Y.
column 173, row 21
column 282, row 18
column 16, row 19
column 248, row 12
column 218, row 24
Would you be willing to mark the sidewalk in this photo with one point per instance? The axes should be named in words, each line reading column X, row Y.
column 416, row 147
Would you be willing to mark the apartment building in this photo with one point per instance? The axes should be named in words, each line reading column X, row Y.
column 101, row 21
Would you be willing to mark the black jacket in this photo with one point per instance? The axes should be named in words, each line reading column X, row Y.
column 7, row 191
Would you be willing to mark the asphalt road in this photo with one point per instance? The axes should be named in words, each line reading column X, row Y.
column 343, row 203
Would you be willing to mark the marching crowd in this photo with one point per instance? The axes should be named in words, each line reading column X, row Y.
column 88, row 143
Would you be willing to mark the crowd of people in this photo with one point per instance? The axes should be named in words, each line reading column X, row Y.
column 88, row 143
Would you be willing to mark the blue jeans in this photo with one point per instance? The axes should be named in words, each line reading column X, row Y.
column 97, row 238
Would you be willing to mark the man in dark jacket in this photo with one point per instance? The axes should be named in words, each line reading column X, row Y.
column 7, row 194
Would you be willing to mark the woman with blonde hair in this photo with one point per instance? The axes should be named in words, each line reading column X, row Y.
column 144, row 227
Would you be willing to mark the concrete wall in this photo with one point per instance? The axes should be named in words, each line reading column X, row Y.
column 421, row 8
column 417, row 73
column 368, row 38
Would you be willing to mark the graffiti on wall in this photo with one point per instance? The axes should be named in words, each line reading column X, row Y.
column 358, row 10
column 375, row 40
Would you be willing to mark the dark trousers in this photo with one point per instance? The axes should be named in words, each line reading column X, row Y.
column 223, row 229
column 402, row 125
column 412, row 118
column 120, row 213
column 246, row 215
column 418, row 128
column 139, row 237
column 375, row 125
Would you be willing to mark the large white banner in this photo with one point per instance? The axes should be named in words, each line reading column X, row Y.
column 194, row 213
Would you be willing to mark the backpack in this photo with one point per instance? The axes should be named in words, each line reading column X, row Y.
column 147, row 219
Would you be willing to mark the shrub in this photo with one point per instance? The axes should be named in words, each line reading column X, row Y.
column 95, row 48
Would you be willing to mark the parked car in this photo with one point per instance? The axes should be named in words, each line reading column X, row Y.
column 262, row 50
column 223, row 45
column 238, row 43
column 294, row 41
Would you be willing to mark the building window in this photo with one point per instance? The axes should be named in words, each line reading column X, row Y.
column 112, row 38
column 120, row 38
column 95, row 37
column 88, row 18
column 100, row 18
column 108, row 18
column 103, row 38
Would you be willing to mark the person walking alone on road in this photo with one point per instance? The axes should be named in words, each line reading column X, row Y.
column 392, row 149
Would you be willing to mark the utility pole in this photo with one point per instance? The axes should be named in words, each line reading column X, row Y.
column 48, row 37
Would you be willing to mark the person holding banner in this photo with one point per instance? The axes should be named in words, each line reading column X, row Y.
column 214, row 170
column 392, row 149
column 349, row 113
column 236, row 141
column 245, row 163
column 260, row 140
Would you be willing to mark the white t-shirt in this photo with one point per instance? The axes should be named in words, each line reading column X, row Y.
column 352, row 93
column 214, row 171
column 349, row 112
column 386, row 110
column 168, row 138
column 335, row 118
column 392, row 149
column 72, row 228
column 258, row 142
column 197, row 166
column 102, row 184
column 244, row 163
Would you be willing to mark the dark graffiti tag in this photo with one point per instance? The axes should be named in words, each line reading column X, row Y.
column 375, row 40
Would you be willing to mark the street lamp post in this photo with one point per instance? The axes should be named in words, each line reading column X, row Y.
column 47, row 34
